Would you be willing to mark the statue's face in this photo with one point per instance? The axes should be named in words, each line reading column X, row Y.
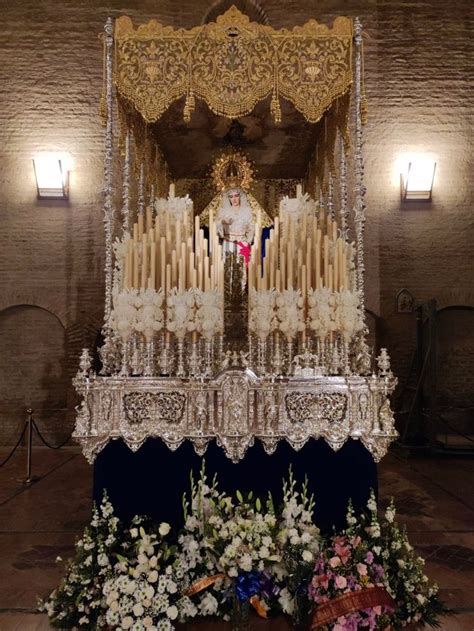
column 234, row 197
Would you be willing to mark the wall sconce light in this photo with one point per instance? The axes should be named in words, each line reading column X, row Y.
column 417, row 183
column 52, row 177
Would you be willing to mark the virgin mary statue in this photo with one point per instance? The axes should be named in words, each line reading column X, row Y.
column 234, row 207
column 234, row 221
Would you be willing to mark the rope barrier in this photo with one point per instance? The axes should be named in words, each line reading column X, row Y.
column 15, row 447
column 45, row 442
column 29, row 427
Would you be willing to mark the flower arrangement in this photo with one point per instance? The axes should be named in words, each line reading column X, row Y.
column 348, row 314
column 141, row 593
column 180, row 314
column 209, row 313
column 350, row 576
column 416, row 599
column 262, row 320
column 137, row 311
column 290, row 314
column 78, row 601
column 234, row 555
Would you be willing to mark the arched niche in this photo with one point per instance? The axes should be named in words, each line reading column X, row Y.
column 33, row 371
column 455, row 365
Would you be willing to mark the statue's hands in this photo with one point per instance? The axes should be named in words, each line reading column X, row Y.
column 228, row 221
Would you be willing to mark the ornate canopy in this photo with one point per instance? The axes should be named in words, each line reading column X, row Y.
column 232, row 64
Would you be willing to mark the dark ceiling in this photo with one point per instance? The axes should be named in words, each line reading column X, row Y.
column 277, row 151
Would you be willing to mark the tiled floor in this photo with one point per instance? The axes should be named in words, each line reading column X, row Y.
column 435, row 499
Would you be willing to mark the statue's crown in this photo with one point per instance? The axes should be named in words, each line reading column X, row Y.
column 232, row 170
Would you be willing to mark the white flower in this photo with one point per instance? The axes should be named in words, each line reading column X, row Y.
column 153, row 576
column 286, row 601
column 390, row 515
column 208, row 605
column 401, row 563
column 134, row 532
column 102, row 560
column 164, row 529
column 264, row 552
column 307, row 556
column 138, row 609
column 172, row 587
column 246, row 562
column 372, row 505
column 172, row 612
column 127, row 622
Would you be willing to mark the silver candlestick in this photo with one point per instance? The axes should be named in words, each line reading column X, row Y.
column 124, row 371
column 277, row 361
column 194, row 360
column 165, row 358
column 150, row 359
column 180, row 370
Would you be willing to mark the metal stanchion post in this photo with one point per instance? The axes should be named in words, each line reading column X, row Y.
column 29, row 479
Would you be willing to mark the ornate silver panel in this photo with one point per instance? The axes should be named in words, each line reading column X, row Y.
column 234, row 409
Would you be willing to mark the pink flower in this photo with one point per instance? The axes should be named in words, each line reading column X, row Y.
column 334, row 561
column 369, row 557
column 362, row 569
column 356, row 541
column 344, row 552
column 341, row 582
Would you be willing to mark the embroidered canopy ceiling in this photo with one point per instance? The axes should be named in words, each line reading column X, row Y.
column 232, row 64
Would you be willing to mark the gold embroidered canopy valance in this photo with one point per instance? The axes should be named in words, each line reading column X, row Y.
column 232, row 64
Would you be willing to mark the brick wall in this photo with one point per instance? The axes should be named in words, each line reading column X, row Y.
column 418, row 63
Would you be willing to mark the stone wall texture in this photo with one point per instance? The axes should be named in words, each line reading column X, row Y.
column 419, row 63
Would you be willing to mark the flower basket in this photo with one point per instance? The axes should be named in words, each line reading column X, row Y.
column 349, row 603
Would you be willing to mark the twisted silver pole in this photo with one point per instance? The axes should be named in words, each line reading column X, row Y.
column 108, row 171
column 359, row 205
column 343, row 209
column 126, row 185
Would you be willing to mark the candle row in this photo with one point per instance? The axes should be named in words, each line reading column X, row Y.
column 302, row 253
column 171, row 254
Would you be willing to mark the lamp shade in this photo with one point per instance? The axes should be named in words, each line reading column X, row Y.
column 417, row 182
column 52, row 179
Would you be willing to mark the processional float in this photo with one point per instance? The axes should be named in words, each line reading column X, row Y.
column 199, row 346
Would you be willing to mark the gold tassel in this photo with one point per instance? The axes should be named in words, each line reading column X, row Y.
column 275, row 109
column 103, row 109
column 189, row 107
